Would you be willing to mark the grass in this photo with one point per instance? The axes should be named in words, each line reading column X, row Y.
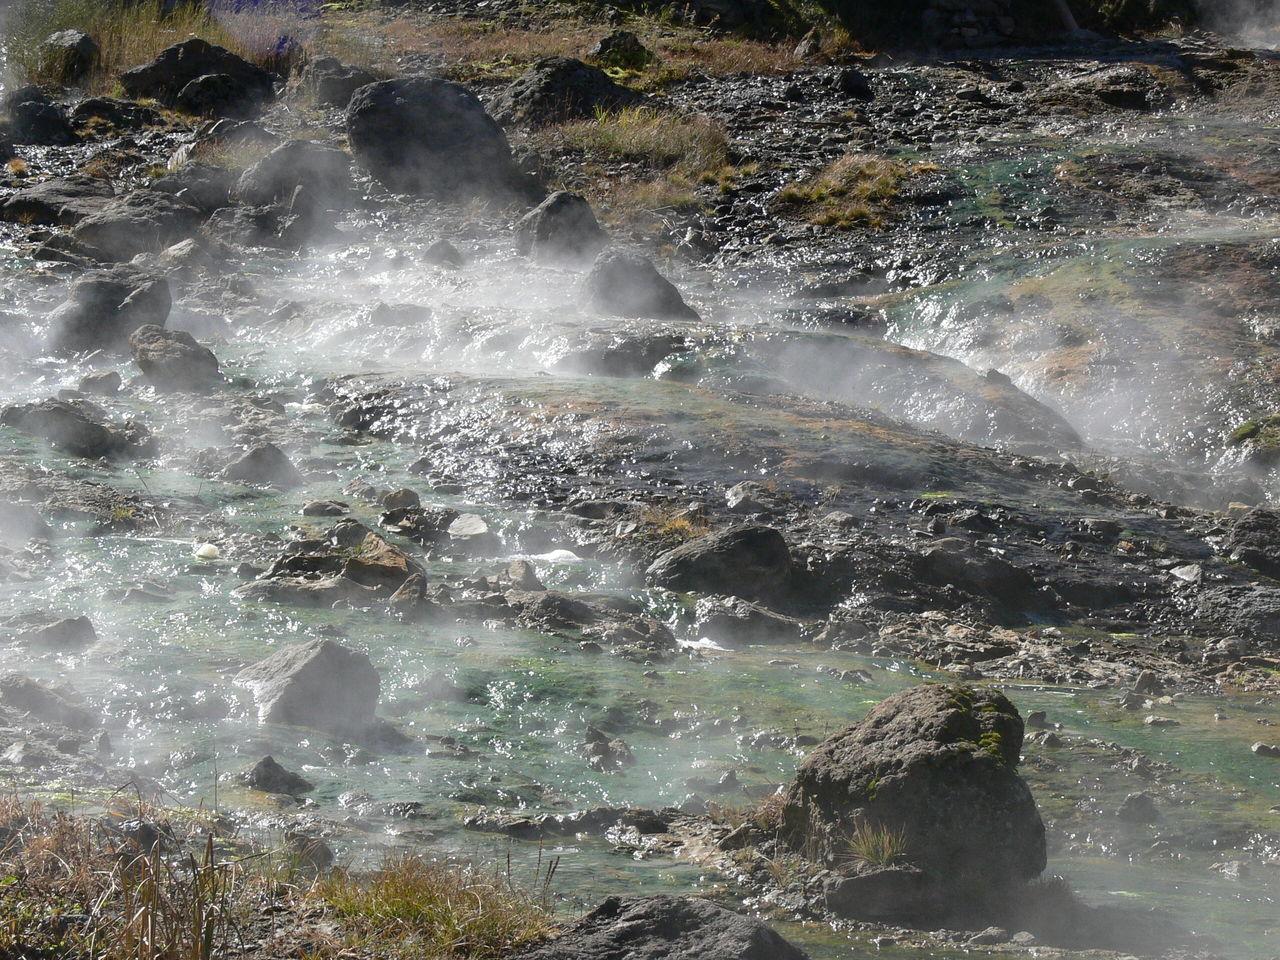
column 132, row 33
column 669, row 523
column 419, row 909
column 857, row 190
column 875, row 846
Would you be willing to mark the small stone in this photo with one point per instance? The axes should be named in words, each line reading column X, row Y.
column 989, row 936
column 1157, row 721
column 1266, row 750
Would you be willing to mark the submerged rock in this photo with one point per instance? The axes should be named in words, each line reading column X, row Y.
column 934, row 767
column 665, row 928
column 749, row 561
column 628, row 285
column 432, row 138
column 562, row 228
column 173, row 360
column 557, row 89
column 319, row 684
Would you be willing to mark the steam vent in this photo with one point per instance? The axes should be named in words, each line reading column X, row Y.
column 639, row 479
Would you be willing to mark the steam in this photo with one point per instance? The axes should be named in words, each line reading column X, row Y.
column 1252, row 23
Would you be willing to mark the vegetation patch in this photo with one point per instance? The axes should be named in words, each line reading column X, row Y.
column 875, row 846
column 857, row 190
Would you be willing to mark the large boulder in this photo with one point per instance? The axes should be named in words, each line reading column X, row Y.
column 264, row 464
column 557, row 89
column 431, row 137
column 322, row 171
column 1254, row 540
column 115, row 113
column 319, row 684
column 105, row 306
column 220, row 95
column 33, row 118
column 145, row 221
column 69, row 56
column 935, row 766
column 751, row 561
column 165, row 77
column 563, row 228
column 60, row 201
column 173, row 360
column 329, row 82
column 629, row 285
column 78, row 427
column 665, row 928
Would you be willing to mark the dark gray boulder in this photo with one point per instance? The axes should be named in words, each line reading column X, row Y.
column 665, row 928
column 561, row 229
column 69, row 55
column 324, row 172
column 49, row 632
column 165, row 77
column 203, row 186
column 1254, row 540
column 749, row 561
column 220, row 95
column 78, row 427
column 431, row 137
column 33, row 118
column 557, row 89
column 935, row 765
column 954, row 562
column 266, row 465
column 144, row 221
column 621, row 48
column 329, row 82
column 47, row 703
column 628, row 285
column 319, row 684
column 113, row 112
column 173, row 360
column 269, row 776
column 60, row 201
column 105, row 306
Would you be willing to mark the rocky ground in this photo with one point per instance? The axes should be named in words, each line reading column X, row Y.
column 965, row 373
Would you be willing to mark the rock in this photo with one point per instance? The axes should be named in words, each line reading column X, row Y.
column 953, row 562
column 18, row 692
column 1153, row 720
column 33, row 118
column 107, row 383
column 60, row 201
column 559, row 89
column 664, row 928
column 1266, row 750
column 219, row 95
column 442, row 253
column 330, row 83
column 749, row 561
column 324, row 172
column 731, row 621
column 145, row 221
column 1254, row 540
column 78, row 427
column 622, row 49
column 401, row 499
column 325, row 508
column 878, row 894
column 604, row 753
column 267, row 775
column 264, row 464
column 68, row 56
column 562, row 228
column 104, row 307
column 853, row 83
column 113, row 112
column 20, row 522
column 319, row 684
column 52, row 633
column 309, row 853
column 1139, row 808
column 373, row 561
column 936, row 765
column 173, row 360
column 628, row 285
column 989, row 936
column 166, row 77
column 432, row 138
column 1148, row 684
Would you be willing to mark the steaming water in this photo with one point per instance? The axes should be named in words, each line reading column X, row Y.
column 161, row 667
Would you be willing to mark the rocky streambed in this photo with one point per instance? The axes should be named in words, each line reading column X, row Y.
column 507, row 533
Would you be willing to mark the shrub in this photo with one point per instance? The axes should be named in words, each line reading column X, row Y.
column 876, row 846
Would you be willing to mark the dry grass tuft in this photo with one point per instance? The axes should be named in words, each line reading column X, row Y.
column 132, row 33
column 420, row 909
column 674, row 523
column 876, row 846
column 856, row 190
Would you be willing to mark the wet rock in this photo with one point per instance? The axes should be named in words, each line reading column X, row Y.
column 878, row 894
column 173, row 360
column 622, row 49
column 329, row 82
column 20, row 522
column 1254, row 539
column 48, row 632
column 989, row 936
column 145, row 221
column 563, row 228
column 605, row 753
column 33, row 118
column 324, row 172
column 18, row 692
column 433, row 138
column 749, row 561
column 325, row 508
column 372, row 561
column 628, row 285
column 442, row 253
column 220, row 95
column 401, row 499
column 113, row 112
column 69, row 56
column 165, row 77
column 59, row 201
column 559, row 89
column 78, row 427
column 319, row 684
column 953, row 562
column 853, row 83
column 1139, row 808
column 731, row 620
column 205, row 187
column 665, row 928
column 937, row 765
column 266, row 465
column 1266, row 750
column 107, row 383
column 317, row 591
column 267, row 775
